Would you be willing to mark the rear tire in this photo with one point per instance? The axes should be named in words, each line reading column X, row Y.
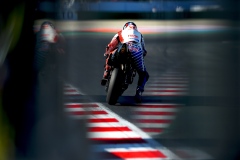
column 114, row 88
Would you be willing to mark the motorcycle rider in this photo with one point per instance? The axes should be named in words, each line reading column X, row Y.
column 136, row 45
column 50, row 46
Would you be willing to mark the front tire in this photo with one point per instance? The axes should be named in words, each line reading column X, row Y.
column 114, row 88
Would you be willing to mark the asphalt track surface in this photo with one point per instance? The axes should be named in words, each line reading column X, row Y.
column 182, row 63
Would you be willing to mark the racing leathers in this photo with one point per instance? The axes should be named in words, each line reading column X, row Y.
column 135, row 41
column 49, row 50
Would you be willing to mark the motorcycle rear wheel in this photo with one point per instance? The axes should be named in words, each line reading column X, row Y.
column 114, row 88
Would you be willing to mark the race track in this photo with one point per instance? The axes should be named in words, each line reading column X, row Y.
column 185, row 65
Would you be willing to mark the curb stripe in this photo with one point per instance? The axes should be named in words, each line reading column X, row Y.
column 143, row 117
column 103, row 124
column 138, row 154
column 155, row 113
column 165, row 90
column 113, row 134
column 105, row 127
column 108, row 129
column 102, row 120
column 165, row 93
column 152, row 121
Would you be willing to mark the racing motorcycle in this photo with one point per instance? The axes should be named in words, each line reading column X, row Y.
column 122, row 73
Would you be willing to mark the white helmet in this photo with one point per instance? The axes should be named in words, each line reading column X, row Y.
column 48, row 32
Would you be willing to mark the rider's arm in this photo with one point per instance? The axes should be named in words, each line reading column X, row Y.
column 113, row 44
column 143, row 46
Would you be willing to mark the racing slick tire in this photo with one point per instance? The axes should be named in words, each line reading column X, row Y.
column 114, row 88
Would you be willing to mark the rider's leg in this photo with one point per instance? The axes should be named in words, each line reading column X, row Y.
column 143, row 78
column 107, row 69
column 138, row 61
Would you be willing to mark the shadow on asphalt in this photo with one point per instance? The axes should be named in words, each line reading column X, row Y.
column 126, row 100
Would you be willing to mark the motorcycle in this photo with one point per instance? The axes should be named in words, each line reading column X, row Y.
column 122, row 74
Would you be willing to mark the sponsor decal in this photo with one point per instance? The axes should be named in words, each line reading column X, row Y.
column 45, row 35
column 132, row 36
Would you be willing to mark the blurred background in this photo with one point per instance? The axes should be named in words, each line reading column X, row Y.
column 194, row 40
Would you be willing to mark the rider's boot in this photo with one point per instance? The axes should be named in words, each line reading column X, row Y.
column 105, row 77
column 143, row 78
column 105, row 74
column 138, row 95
